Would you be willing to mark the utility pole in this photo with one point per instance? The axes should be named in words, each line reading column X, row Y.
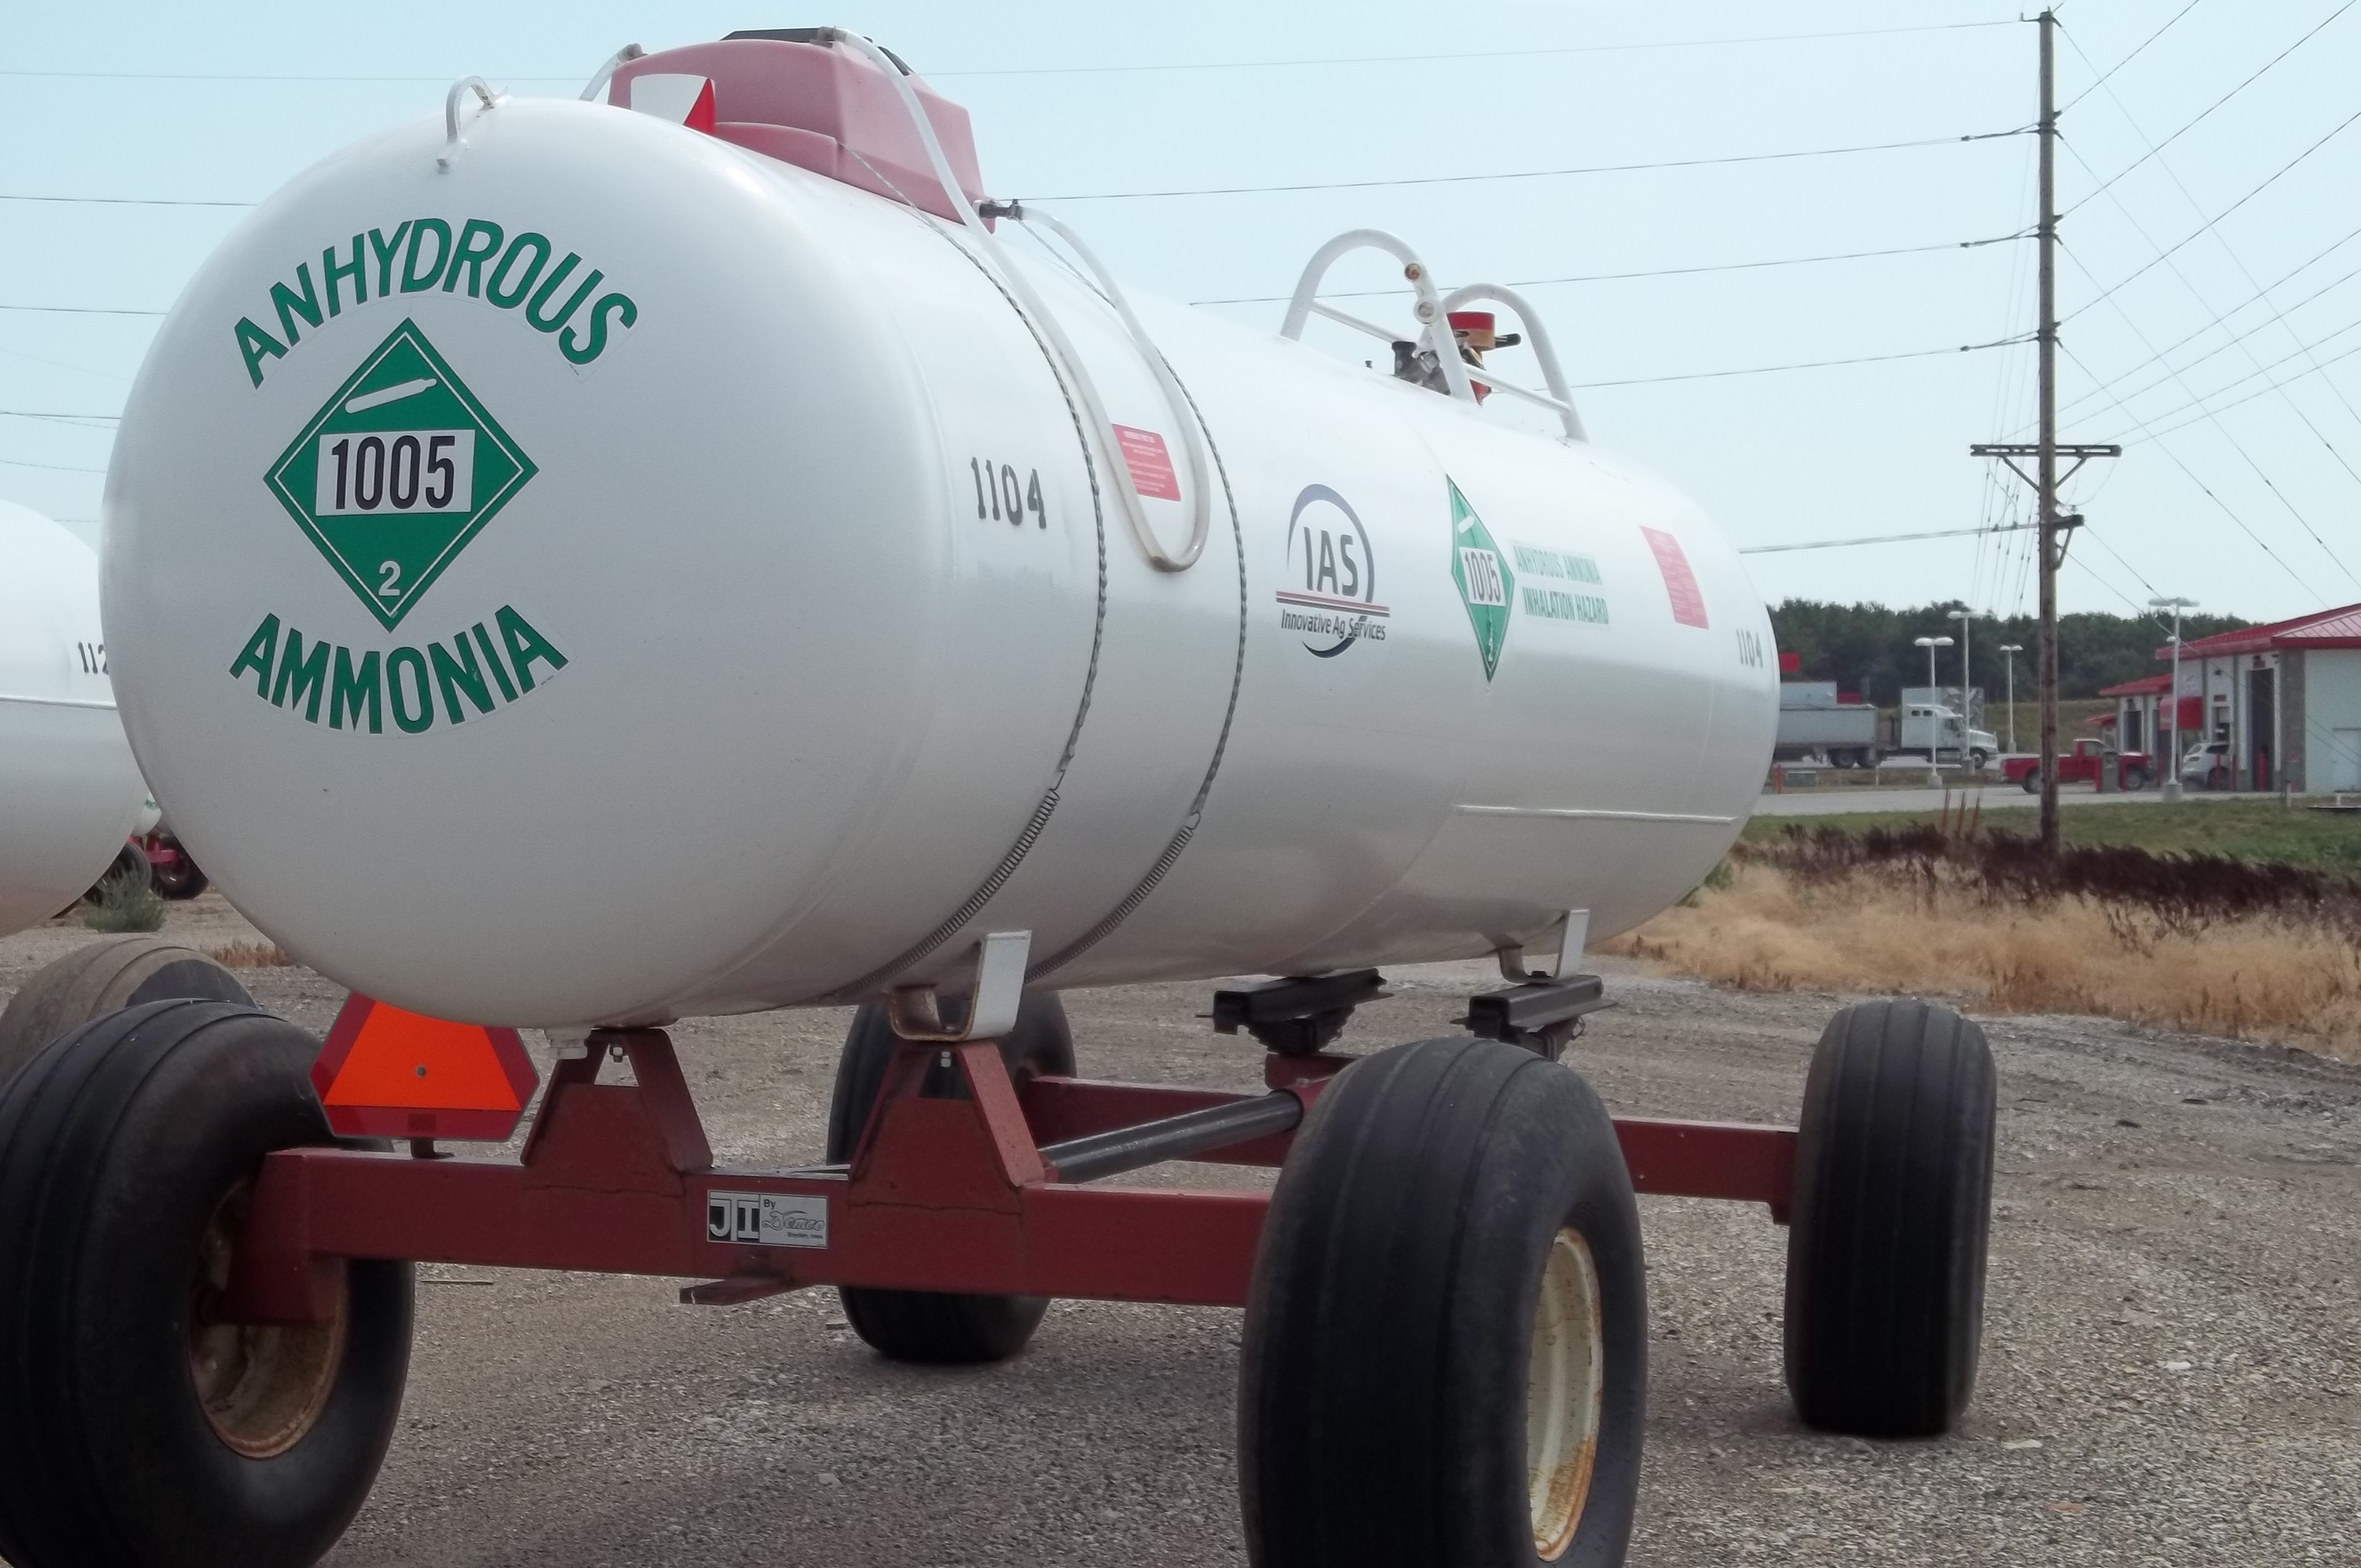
column 2054, row 529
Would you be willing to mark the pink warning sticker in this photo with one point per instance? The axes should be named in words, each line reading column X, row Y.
column 1680, row 583
column 1150, row 463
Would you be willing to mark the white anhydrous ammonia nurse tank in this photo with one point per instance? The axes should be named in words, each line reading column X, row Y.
column 579, row 563
column 68, row 792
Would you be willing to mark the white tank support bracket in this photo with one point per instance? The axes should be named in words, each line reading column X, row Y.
column 1429, row 309
column 1574, row 934
column 915, row 1012
column 459, row 89
column 1029, row 301
column 605, row 72
column 1538, row 337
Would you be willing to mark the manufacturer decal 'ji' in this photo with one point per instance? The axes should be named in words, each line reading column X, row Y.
column 397, row 472
column 1484, row 579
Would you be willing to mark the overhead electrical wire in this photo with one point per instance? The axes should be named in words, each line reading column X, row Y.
column 2259, row 392
column 2239, row 340
column 2128, row 59
column 2239, row 447
column 1529, row 173
column 80, row 311
column 1882, row 539
column 51, row 414
column 2225, row 347
column 2244, row 526
column 2191, row 124
column 1797, row 364
column 1114, row 70
column 57, row 467
column 1652, row 272
column 2209, row 224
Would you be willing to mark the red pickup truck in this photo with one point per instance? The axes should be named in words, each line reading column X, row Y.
column 2082, row 764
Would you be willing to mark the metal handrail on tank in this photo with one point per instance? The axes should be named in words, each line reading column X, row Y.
column 605, row 72
column 1118, row 467
column 1434, row 314
column 1543, row 350
column 451, row 144
column 1429, row 309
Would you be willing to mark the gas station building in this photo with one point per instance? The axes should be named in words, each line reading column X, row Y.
column 2287, row 697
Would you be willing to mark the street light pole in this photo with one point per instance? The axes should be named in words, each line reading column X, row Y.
column 2171, row 789
column 1967, row 620
column 1935, row 748
column 2007, row 652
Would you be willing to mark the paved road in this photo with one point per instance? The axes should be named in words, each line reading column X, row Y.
column 1996, row 797
column 2171, row 1375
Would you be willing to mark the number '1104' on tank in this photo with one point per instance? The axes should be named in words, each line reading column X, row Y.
column 574, row 567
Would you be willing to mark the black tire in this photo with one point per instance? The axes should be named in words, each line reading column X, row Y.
column 942, row 1326
column 129, row 866
column 1383, row 1379
column 2134, row 778
column 124, row 1149
column 2033, row 781
column 101, row 977
column 1977, row 759
column 181, row 879
column 1891, row 1215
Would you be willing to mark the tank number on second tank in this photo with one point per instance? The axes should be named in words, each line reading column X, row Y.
column 1000, row 497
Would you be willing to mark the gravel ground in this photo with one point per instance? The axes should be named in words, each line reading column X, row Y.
column 2172, row 1361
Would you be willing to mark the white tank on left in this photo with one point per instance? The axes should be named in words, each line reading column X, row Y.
column 69, row 789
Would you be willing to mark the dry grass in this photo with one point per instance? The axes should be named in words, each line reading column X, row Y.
column 1884, row 929
column 252, row 955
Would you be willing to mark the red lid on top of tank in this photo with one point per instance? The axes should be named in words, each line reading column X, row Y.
column 818, row 107
column 1470, row 320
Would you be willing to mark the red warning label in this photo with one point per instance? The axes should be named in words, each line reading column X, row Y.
column 1680, row 583
column 1144, row 453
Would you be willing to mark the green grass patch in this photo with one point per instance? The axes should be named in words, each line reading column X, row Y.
column 2258, row 830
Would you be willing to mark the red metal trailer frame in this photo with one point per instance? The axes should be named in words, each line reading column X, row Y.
column 941, row 1194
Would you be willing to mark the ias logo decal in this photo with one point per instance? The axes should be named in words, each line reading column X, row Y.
column 1328, row 591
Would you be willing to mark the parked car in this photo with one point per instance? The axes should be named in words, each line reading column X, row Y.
column 2208, row 766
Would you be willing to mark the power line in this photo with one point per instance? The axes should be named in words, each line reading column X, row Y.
column 2126, row 60
column 51, row 414
column 1517, row 174
column 2268, row 483
column 2239, row 340
column 2209, row 108
column 2217, row 217
column 60, row 467
column 80, row 311
column 2259, row 392
column 1111, row 70
column 121, row 200
column 1799, row 365
column 1884, row 539
column 2261, row 293
column 1652, row 272
column 1472, row 54
column 2244, row 527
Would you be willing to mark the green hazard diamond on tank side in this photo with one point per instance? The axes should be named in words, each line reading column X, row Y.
column 1484, row 579
column 397, row 470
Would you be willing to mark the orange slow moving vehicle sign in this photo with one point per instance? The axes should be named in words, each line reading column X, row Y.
column 385, row 1073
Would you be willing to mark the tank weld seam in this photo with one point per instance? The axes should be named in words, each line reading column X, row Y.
column 1165, row 861
column 875, row 980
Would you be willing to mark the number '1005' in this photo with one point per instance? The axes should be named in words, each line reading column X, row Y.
column 400, row 471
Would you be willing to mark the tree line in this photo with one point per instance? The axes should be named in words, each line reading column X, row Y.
column 1868, row 648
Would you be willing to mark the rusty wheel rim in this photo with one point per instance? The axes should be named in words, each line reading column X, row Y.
column 1565, row 1386
column 261, row 1386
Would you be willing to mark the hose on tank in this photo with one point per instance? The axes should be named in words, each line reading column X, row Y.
column 1201, row 512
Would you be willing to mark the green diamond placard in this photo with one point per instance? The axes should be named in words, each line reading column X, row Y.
column 399, row 469
column 1484, row 579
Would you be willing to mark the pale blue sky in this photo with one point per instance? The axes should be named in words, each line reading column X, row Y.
column 1806, row 455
